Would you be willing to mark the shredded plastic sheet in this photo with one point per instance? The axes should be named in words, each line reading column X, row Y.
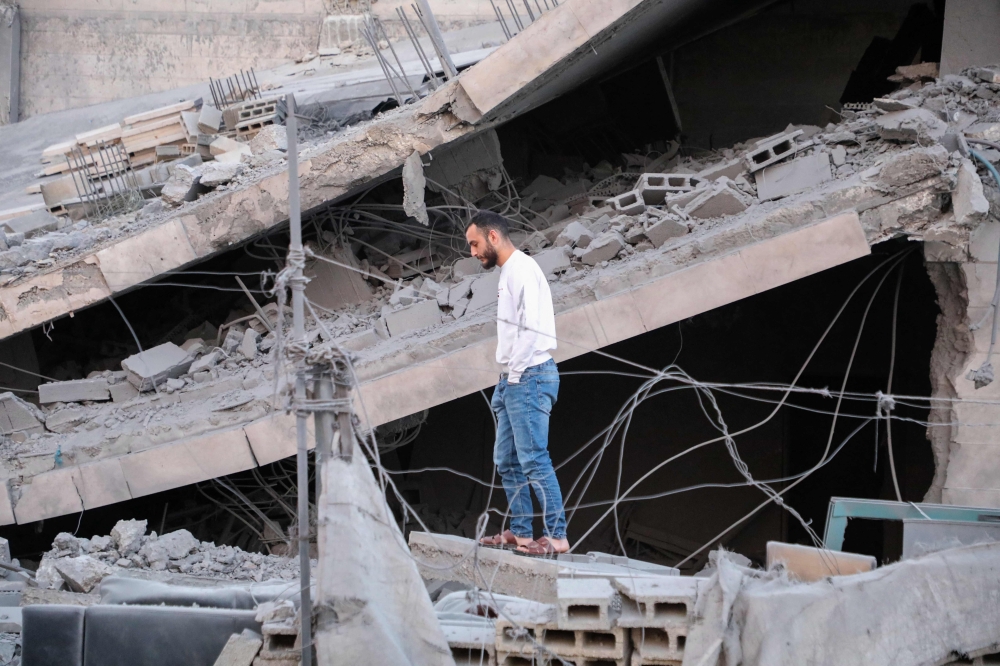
column 373, row 607
column 925, row 611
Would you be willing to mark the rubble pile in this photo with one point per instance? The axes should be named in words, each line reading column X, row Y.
column 80, row 564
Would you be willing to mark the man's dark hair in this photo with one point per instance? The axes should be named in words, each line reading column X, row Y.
column 487, row 220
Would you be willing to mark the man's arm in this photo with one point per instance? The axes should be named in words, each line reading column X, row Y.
column 525, row 291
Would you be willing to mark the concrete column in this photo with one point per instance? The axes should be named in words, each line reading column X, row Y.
column 970, row 34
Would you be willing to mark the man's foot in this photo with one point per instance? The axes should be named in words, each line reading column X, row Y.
column 544, row 547
column 505, row 540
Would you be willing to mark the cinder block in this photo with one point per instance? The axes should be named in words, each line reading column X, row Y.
column 587, row 603
column 630, row 203
column 772, row 150
column 731, row 170
column 653, row 645
column 209, row 119
column 655, row 187
column 419, row 315
column 660, row 602
column 76, row 390
column 662, row 231
column 553, row 260
column 38, row 222
column 809, row 564
column 797, row 175
column 718, row 202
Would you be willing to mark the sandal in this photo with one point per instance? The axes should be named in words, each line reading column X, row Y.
column 542, row 548
column 504, row 541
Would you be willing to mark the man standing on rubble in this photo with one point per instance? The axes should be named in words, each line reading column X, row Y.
column 524, row 397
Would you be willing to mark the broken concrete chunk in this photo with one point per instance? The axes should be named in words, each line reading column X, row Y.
column 912, row 125
column 985, row 74
column 985, row 131
column 839, row 155
column 194, row 346
column 731, row 170
column 224, row 145
column 176, row 544
column 781, row 180
column 76, row 390
column 272, row 137
column 82, row 573
column 234, row 339
column 890, row 104
column 465, row 267
column 38, row 222
column 234, row 156
column 154, row 366
column 719, row 201
column 968, row 201
column 419, row 315
column 911, row 166
column 65, row 419
column 248, row 346
column 127, row 536
column 485, row 292
column 553, row 260
column 414, row 184
column 662, row 231
column 575, row 234
column 47, row 577
column 603, row 248
column 123, row 392
column 240, row 649
column 405, row 296
column 207, row 361
column 16, row 415
column 215, row 174
column 360, row 341
column 182, row 186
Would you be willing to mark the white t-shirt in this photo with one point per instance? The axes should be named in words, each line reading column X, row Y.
column 526, row 324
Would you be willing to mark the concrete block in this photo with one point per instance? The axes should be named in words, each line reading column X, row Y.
column 772, row 150
column 33, row 224
column 575, row 234
column 215, row 174
column 57, row 191
column 911, row 125
column 587, row 603
column 224, row 144
column 485, row 292
column 660, row 232
column 182, row 186
column 658, row 646
column 209, row 120
column 76, row 390
column 272, row 137
column 719, row 201
column 240, row 649
column 552, row 260
column 122, row 391
column 655, row 187
column 661, row 601
column 154, row 366
column 781, row 180
column 248, row 347
column 16, row 415
column 911, row 166
column 65, row 420
column 419, row 315
column 809, row 564
column 839, row 155
column 630, row 203
column 603, row 248
column 82, row 573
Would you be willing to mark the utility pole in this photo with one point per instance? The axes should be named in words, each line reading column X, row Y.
column 296, row 259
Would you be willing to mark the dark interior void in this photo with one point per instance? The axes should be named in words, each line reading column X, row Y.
column 765, row 338
column 794, row 62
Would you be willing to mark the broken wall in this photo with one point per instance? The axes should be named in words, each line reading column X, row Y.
column 77, row 53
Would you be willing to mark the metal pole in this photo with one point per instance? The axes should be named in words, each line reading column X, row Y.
column 323, row 421
column 299, row 334
column 434, row 30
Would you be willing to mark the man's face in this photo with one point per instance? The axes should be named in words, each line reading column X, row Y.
column 481, row 247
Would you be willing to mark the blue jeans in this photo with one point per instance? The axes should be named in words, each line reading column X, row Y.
column 522, row 448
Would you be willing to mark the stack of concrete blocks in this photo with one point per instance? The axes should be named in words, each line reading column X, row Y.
column 654, row 188
column 250, row 117
column 633, row 620
column 282, row 644
column 657, row 611
column 472, row 643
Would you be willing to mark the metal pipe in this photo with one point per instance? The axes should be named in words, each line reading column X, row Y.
column 434, row 30
column 299, row 333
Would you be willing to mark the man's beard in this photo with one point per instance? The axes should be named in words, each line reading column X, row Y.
column 488, row 257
